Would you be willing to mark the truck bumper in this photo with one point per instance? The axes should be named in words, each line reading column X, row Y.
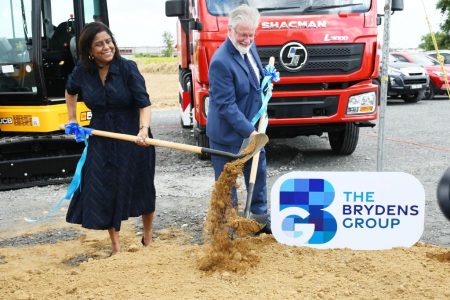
column 317, row 107
column 288, row 131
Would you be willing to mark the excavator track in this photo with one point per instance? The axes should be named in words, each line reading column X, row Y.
column 37, row 160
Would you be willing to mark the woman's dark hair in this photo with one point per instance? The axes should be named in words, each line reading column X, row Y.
column 87, row 36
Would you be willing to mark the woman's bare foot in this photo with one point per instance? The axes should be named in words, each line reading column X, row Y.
column 147, row 238
column 115, row 241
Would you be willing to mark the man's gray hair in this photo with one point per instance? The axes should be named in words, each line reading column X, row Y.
column 244, row 14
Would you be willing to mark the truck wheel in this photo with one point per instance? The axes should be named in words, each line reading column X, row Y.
column 344, row 142
column 429, row 92
column 202, row 141
column 413, row 98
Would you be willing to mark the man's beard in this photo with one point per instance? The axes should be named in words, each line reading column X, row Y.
column 241, row 49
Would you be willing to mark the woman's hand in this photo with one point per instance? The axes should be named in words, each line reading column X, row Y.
column 141, row 136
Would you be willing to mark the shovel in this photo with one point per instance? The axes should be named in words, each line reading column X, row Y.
column 262, row 219
column 249, row 148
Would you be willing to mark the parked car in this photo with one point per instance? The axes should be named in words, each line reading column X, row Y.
column 444, row 53
column 437, row 84
column 406, row 80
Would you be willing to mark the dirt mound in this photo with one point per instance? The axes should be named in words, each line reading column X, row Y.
column 160, row 68
column 81, row 269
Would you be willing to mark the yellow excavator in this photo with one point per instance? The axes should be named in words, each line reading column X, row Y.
column 38, row 50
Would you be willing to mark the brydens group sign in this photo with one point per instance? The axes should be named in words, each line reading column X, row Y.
column 357, row 210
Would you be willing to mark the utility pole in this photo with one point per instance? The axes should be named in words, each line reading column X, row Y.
column 384, row 84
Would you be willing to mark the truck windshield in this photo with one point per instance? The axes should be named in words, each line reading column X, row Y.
column 16, row 73
column 15, row 30
column 291, row 7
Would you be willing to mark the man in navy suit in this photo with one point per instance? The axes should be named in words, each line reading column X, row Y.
column 235, row 99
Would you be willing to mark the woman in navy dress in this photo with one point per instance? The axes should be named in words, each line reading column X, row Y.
column 118, row 176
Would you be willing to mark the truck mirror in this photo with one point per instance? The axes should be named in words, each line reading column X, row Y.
column 397, row 5
column 175, row 8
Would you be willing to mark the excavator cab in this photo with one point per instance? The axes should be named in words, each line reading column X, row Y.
column 38, row 41
column 38, row 51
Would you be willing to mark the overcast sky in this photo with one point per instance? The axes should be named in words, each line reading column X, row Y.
column 142, row 22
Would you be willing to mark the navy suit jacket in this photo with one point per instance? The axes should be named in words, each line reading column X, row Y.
column 234, row 98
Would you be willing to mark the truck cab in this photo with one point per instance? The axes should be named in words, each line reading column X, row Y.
column 325, row 51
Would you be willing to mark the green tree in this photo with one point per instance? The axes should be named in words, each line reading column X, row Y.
column 444, row 6
column 168, row 44
column 442, row 36
column 427, row 42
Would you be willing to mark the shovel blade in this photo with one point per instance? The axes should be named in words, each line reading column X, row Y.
column 252, row 145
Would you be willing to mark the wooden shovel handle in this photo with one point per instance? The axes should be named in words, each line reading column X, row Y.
column 148, row 141
column 262, row 121
column 165, row 144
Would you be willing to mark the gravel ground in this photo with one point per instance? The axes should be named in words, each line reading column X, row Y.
column 48, row 237
column 417, row 142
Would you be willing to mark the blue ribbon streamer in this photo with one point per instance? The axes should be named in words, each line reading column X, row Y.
column 270, row 75
column 81, row 134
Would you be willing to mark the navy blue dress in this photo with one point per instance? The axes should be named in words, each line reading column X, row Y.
column 118, row 176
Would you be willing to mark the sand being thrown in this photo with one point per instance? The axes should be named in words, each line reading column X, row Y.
column 226, row 247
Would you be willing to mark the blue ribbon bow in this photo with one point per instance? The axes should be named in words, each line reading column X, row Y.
column 80, row 132
column 270, row 75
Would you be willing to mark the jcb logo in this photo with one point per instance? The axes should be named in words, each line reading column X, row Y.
column 86, row 115
column 6, row 121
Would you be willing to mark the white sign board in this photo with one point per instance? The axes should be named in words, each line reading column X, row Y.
column 357, row 210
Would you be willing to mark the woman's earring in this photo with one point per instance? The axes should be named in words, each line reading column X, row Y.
column 90, row 57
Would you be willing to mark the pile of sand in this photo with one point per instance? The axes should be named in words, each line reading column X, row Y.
column 222, row 251
column 169, row 270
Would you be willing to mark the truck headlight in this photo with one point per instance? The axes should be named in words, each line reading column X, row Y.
column 362, row 103
column 206, row 105
column 392, row 80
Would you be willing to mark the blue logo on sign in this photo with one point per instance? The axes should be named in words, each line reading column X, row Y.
column 310, row 196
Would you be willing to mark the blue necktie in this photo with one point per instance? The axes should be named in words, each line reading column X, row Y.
column 252, row 71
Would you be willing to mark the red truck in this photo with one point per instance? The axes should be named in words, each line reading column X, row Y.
column 326, row 53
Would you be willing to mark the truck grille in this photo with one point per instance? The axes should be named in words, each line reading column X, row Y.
column 302, row 107
column 329, row 59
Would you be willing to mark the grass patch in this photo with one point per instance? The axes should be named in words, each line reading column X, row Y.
column 153, row 59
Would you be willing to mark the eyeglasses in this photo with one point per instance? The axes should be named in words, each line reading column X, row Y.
column 242, row 35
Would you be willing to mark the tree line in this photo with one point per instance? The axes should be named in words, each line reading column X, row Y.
column 442, row 36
